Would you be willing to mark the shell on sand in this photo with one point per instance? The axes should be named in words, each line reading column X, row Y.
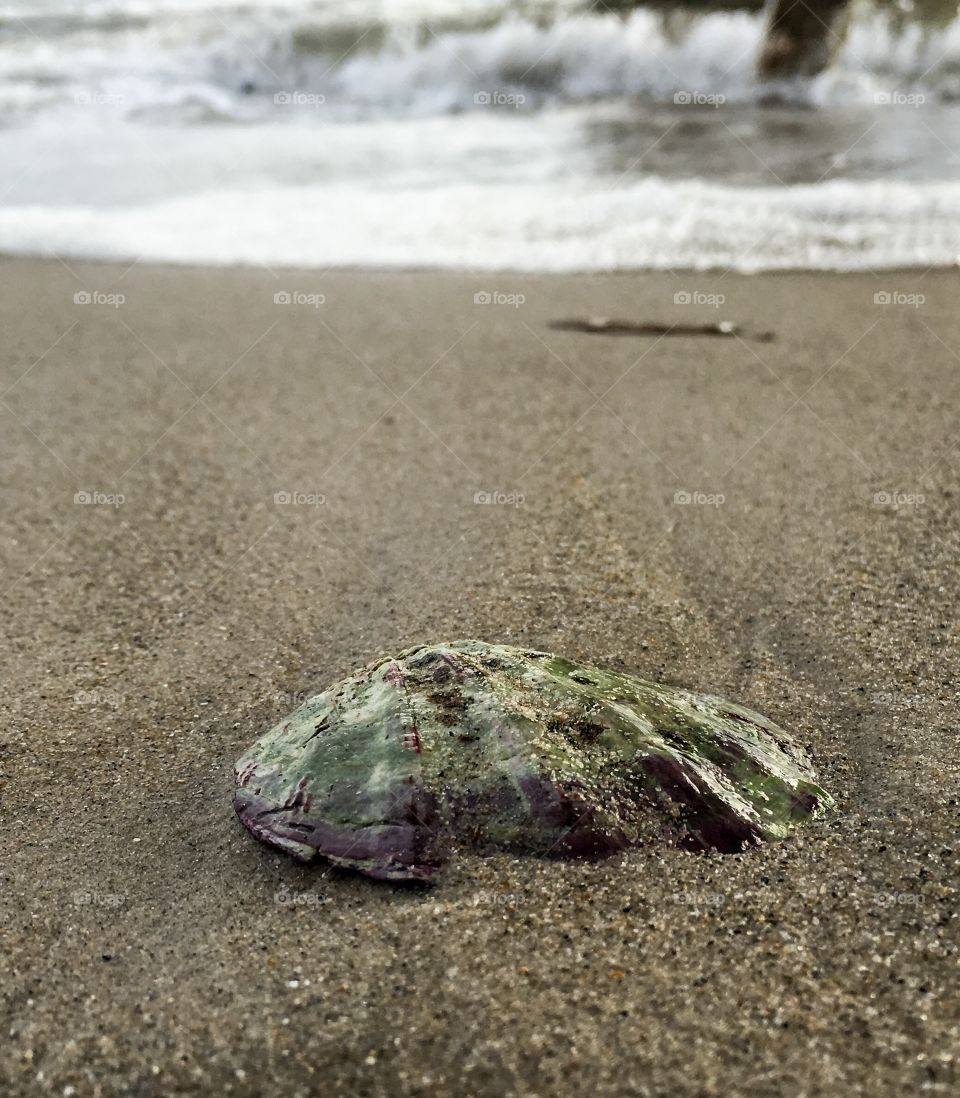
column 482, row 744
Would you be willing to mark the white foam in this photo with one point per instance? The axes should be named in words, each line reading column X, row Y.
column 532, row 227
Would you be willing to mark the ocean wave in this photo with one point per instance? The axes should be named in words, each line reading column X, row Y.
column 258, row 61
column 482, row 133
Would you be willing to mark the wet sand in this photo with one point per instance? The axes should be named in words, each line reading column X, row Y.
column 151, row 947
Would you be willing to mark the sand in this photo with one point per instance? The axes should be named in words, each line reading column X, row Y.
column 151, row 947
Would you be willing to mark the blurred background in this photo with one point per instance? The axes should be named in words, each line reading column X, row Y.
column 535, row 135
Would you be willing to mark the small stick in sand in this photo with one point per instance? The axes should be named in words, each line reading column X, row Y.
column 614, row 326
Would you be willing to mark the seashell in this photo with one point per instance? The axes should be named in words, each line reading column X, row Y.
column 482, row 745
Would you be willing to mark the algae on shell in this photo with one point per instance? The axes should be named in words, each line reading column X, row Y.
column 482, row 744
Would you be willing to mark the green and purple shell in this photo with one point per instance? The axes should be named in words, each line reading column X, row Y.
column 486, row 745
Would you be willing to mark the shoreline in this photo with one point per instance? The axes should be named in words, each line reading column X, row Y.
column 152, row 947
column 109, row 262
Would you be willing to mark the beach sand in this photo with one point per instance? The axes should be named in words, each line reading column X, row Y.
column 151, row 947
